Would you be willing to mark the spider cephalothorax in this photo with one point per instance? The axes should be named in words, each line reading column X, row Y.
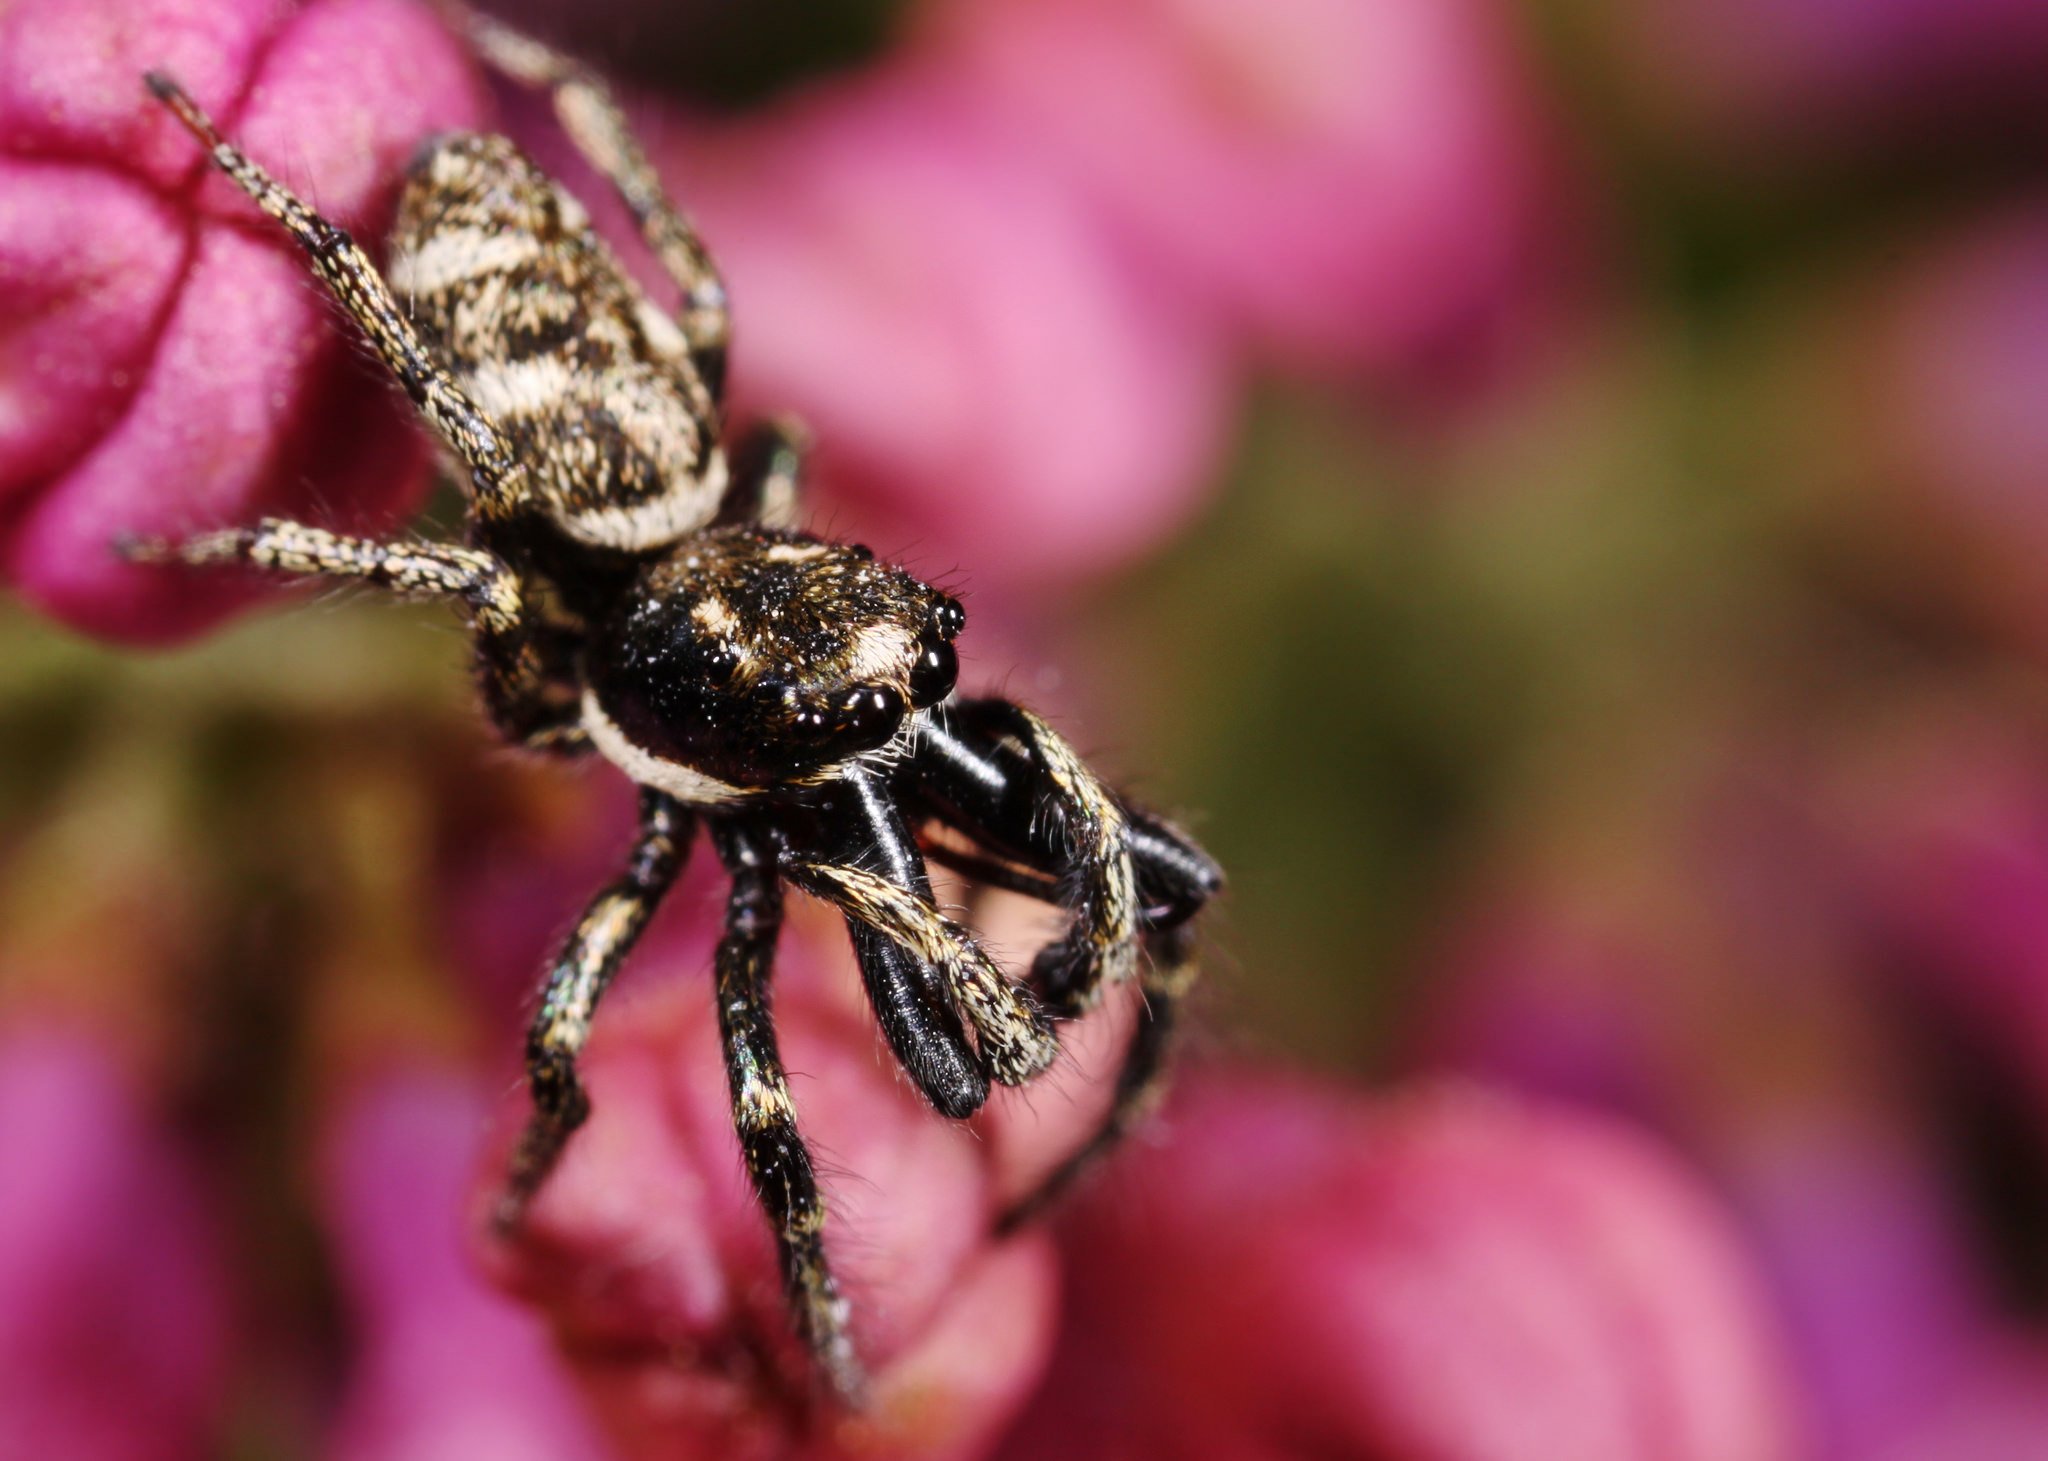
column 758, row 659
column 636, row 590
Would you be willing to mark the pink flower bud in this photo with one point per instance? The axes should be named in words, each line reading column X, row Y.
column 445, row 1367
column 1353, row 184
column 655, row 1267
column 1944, row 830
column 1959, row 371
column 166, row 362
column 112, row 1300
column 991, row 380
column 1449, row 1275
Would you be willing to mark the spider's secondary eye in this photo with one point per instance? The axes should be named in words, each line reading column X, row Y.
column 932, row 677
column 949, row 617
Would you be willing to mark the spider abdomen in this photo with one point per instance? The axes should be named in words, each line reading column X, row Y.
column 592, row 384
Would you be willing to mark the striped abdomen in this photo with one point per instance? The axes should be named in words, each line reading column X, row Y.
column 588, row 379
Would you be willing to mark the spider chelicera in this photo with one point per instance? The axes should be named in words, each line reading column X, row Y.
column 635, row 592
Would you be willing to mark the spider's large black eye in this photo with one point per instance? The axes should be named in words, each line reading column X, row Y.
column 860, row 721
column 759, row 658
column 932, row 677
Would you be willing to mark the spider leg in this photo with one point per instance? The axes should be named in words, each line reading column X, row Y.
column 997, row 769
column 919, row 965
column 587, row 112
column 990, row 787
column 496, row 476
column 514, row 671
column 767, row 475
column 763, row 1113
column 1014, row 1038
column 1174, row 879
column 602, row 938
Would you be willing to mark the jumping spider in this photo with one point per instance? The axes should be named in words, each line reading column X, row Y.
column 635, row 592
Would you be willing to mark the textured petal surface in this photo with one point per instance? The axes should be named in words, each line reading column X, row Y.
column 178, row 371
column 1447, row 1275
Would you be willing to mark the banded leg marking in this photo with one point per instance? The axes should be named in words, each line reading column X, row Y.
column 513, row 673
column 497, row 478
column 1015, row 1037
column 604, row 935
column 1098, row 882
column 778, row 1162
column 587, row 112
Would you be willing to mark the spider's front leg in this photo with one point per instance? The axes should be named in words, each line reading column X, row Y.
column 920, row 967
column 778, row 1162
column 606, row 933
column 519, row 666
column 1000, row 775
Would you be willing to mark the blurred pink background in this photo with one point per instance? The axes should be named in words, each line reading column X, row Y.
column 1552, row 492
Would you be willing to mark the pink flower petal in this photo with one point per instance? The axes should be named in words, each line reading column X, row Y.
column 1356, row 185
column 1446, row 1276
column 168, row 364
column 992, row 382
column 112, row 1299
column 445, row 1366
column 654, row 1264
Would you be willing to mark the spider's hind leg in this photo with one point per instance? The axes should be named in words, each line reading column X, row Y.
column 978, row 770
column 587, row 112
column 767, row 475
column 496, row 478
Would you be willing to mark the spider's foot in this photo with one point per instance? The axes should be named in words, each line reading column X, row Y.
column 821, row 1318
column 532, row 1162
column 136, row 548
column 560, row 1106
column 172, row 95
column 844, row 1375
column 226, row 545
column 507, row 1214
column 1069, row 976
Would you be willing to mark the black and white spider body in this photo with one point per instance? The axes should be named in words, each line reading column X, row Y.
column 635, row 592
